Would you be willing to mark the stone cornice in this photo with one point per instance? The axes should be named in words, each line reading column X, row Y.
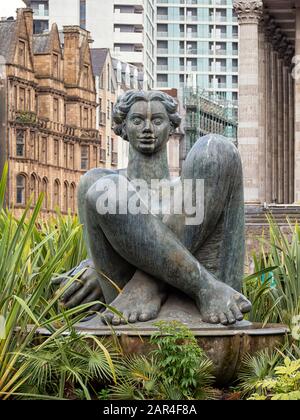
column 248, row 11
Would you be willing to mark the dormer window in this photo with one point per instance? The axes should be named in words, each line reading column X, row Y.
column 21, row 53
column 55, row 66
column 86, row 77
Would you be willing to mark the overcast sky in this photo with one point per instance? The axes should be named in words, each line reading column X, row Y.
column 9, row 7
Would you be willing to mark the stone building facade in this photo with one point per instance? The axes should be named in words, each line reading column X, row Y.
column 48, row 130
column 269, row 104
column 106, row 87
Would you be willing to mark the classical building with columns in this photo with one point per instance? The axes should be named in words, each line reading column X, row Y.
column 269, row 106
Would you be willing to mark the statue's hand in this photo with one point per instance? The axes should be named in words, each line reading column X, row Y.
column 85, row 289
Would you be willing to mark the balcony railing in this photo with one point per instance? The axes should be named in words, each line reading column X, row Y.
column 162, row 50
column 162, row 67
column 162, row 34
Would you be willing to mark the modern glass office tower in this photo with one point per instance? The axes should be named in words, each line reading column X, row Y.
column 197, row 46
column 126, row 27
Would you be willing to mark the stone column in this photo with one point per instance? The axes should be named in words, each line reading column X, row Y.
column 249, row 14
column 291, row 138
column 268, row 111
column 297, row 110
column 286, row 116
column 274, row 123
column 281, row 144
column 262, row 111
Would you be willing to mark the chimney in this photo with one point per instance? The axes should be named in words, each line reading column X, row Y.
column 28, row 16
column 73, row 37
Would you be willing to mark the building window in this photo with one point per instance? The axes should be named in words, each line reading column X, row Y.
column 86, row 77
column 85, row 117
column 21, row 189
column 72, row 197
column 66, row 155
column 45, row 192
column 83, row 14
column 55, row 110
column 22, row 99
column 95, row 156
column 20, row 143
column 32, row 145
column 55, row 66
column 56, row 152
column 40, row 26
column 56, row 193
column 71, row 156
column 21, row 53
column 44, row 150
column 33, row 188
column 66, row 196
column 84, row 158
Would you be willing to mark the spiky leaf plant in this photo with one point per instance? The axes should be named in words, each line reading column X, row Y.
column 29, row 258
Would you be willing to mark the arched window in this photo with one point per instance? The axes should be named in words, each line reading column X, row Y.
column 66, row 197
column 34, row 188
column 45, row 192
column 21, row 189
column 73, row 197
column 56, row 194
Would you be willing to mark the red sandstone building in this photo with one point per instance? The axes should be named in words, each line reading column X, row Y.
column 48, row 131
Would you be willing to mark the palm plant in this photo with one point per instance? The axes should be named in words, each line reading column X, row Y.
column 257, row 368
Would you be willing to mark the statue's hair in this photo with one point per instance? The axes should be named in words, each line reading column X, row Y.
column 125, row 102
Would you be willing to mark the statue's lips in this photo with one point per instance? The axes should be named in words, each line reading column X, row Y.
column 147, row 140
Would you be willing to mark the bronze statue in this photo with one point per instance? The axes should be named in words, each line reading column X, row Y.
column 149, row 255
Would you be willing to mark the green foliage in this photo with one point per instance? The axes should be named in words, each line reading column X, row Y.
column 176, row 369
column 31, row 252
column 275, row 287
column 283, row 385
column 180, row 359
column 270, row 376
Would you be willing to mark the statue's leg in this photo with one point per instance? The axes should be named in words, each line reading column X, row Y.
column 146, row 243
column 113, row 271
column 218, row 243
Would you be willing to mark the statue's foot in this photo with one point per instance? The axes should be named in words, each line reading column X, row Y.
column 140, row 301
column 220, row 304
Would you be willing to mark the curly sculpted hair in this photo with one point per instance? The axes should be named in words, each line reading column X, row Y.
column 125, row 102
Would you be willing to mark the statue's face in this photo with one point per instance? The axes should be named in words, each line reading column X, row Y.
column 148, row 126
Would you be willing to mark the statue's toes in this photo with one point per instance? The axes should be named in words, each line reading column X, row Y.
column 223, row 319
column 145, row 316
column 236, row 312
column 117, row 320
column 243, row 304
column 125, row 317
column 133, row 317
column 107, row 317
column 230, row 317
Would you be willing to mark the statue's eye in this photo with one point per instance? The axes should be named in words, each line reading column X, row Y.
column 137, row 121
column 157, row 121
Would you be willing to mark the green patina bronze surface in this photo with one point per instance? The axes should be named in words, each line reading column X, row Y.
column 152, row 257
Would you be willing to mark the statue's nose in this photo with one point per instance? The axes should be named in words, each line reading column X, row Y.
column 148, row 125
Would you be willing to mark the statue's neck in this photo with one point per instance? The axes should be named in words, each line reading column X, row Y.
column 148, row 167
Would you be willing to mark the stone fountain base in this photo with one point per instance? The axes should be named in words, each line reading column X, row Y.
column 225, row 346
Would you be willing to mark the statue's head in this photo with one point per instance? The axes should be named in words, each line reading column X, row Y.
column 146, row 119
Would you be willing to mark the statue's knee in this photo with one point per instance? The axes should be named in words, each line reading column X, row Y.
column 220, row 146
